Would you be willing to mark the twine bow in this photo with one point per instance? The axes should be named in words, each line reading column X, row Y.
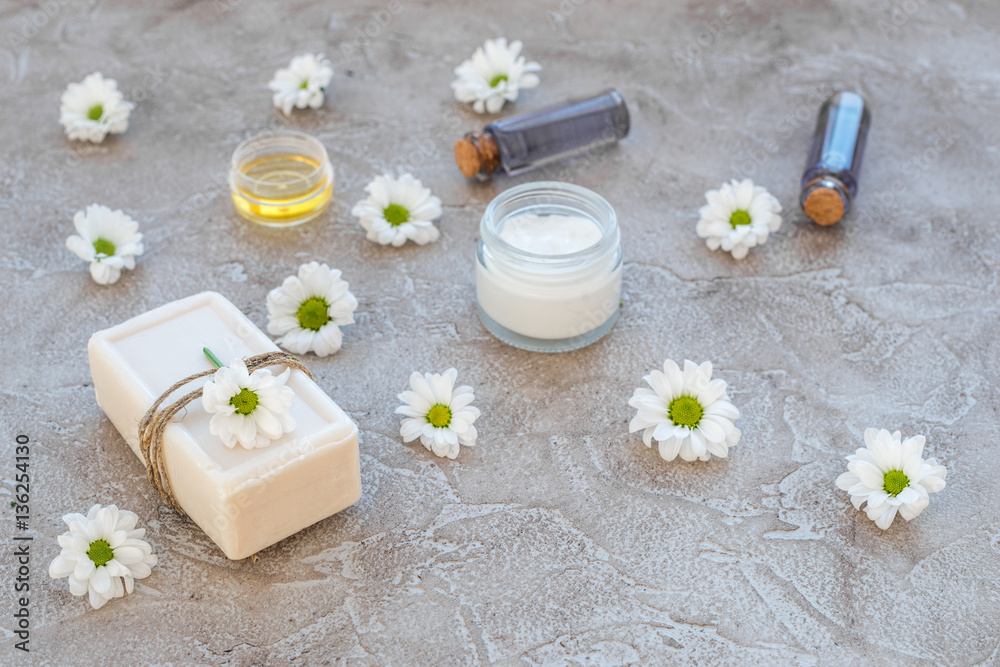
column 156, row 419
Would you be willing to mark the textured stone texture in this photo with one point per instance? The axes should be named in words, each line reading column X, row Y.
column 559, row 539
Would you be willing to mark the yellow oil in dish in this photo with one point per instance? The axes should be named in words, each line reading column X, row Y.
column 282, row 190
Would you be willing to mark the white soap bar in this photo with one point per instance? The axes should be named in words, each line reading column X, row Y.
column 245, row 500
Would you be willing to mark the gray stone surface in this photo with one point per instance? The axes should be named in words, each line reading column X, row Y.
column 559, row 539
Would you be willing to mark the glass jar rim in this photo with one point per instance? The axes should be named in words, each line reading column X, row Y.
column 315, row 143
column 609, row 224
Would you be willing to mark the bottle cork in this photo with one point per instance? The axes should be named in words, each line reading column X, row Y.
column 824, row 206
column 477, row 154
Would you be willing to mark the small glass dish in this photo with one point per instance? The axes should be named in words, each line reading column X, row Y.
column 281, row 179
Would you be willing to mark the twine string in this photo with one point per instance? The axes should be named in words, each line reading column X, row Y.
column 156, row 419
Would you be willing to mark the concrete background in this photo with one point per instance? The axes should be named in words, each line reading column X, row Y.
column 560, row 539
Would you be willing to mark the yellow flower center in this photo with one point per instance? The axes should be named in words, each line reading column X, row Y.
column 396, row 215
column 314, row 313
column 685, row 411
column 739, row 217
column 245, row 402
column 104, row 247
column 439, row 415
column 894, row 482
column 495, row 81
column 100, row 552
column 95, row 112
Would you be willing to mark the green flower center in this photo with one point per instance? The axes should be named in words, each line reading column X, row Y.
column 439, row 415
column 104, row 247
column 305, row 84
column 313, row 313
column 495, row 81
column 396, row 215
column 100, row 552
column 95, row 112
column 245, row 402
column 685, row 411
column 894, row 482
column 739, row 217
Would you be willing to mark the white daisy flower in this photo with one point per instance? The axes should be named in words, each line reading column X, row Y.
column 438, row 413
column 738, row 217
column 302, row 84
column 308, row 310
column 109, row 240
column 891, row 475
column 495, row 74
column 103, row 554
column 92, row 109
column 687, row 412
column 248, row 408
column 398, row 209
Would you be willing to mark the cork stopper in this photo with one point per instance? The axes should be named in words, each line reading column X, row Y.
column 824, row 205
column 477, row 154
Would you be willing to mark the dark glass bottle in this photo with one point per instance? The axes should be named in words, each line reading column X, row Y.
column 830, row 181
column 529, row 140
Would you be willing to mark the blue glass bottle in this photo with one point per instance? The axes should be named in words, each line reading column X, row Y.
column 529, row 140
column 830, row 181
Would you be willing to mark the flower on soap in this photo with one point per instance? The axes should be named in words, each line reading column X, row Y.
column 495, row 74
column 308, row 310
column 686, row 412
column 302, row 84
column 439, row 413
column 398, row 209
column 103, row 554
column 109, row 240
column 248, row 408
column 891, row 475
column 738, row 216
column 94, row 108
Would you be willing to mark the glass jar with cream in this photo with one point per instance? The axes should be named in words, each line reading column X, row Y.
column 549, row 269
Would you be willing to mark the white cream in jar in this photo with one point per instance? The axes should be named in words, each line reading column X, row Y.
column 548, row 275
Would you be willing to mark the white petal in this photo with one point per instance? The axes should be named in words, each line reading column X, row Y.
column 871, row 476
column 410, row 429
column 884, row 520
column 669, row 448
column 100, row 581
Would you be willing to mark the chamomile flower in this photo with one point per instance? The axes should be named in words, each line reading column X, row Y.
column 738, row 216
column 308, row 310
column 109, row 240
column 495, row 74
column 303, row 84
column 686, row 412
column 398, row 209
column 93, row 108
column 103, row 553
column 249, row 409
column 891, row 475
column 439, row 413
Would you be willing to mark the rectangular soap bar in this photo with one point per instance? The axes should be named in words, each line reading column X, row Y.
column 245, row 500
